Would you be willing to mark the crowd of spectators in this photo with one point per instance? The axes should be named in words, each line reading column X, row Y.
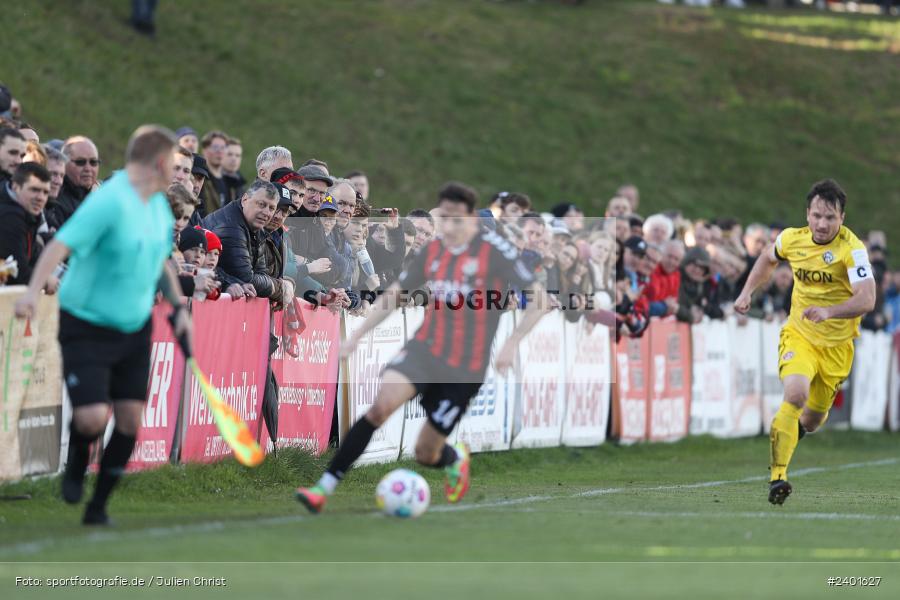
column 669, row 265
column 295, row 230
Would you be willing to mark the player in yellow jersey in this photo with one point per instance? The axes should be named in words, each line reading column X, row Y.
column 833, row 288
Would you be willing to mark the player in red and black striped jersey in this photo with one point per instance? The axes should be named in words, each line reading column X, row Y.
column 469, row 279
column 469, row 289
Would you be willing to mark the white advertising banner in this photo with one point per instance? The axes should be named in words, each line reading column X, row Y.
column 773, row 392
column 542, row 372
column 487, row 424
column 710, row 404
column 746, row 378
column 413, row 413
column 364, row 367
column 894, row 387
column 588, row 378
column 871, row 367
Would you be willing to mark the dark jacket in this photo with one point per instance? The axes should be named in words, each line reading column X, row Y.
column 242, row 259
column 342, row 259
column 196, row 219
column 309, row 241
column 275, row 249
column 704, row 294
column 307, row 235
column 210, row 201
column 18, row 235
column 235, row 184
column 388, row 263
column 67, row 202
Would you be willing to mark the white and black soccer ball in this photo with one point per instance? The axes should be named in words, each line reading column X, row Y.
column 403, row 493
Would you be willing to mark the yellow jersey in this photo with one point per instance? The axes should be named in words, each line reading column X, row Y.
column 823, row 276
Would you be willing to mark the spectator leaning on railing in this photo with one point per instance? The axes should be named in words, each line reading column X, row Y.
column 242, row 265
column 276, row 250
column 193, row 276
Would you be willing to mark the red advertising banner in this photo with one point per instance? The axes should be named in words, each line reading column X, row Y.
column 164, row 388
column 306, row 369
column 632, row 392
column 231, row 345
column 668, row 410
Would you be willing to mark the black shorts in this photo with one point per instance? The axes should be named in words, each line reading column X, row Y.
column 102, row 364
column 445, row 402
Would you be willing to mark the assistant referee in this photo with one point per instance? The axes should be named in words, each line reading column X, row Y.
column 117, row 242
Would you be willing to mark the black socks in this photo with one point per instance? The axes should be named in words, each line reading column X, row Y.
column 352, row 448
column 112, row 467
column 448, row 457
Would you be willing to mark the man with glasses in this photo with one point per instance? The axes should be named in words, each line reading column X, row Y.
column 82, row 170
column 212, row 146
column 424, row 224
column 308, row 237
column 317, row 182
column 346, row 202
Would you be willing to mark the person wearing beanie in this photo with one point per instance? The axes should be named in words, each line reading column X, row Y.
column 570, row 215
column 195, row 280
column 187, row 138
column 213, row 248
column 192, row 244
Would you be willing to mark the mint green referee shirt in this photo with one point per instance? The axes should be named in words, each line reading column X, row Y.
column 119, row 245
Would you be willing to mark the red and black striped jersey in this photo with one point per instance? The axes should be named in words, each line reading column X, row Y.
column 468, row 290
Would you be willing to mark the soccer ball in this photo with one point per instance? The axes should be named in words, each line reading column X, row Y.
column 403, row 493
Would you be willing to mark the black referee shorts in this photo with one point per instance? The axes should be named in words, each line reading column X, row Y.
column 445, row 402
column 102, row 364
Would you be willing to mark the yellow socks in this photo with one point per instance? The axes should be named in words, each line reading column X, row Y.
column 784, row 438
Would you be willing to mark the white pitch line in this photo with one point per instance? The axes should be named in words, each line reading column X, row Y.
column 36, row 546
column 756, row 515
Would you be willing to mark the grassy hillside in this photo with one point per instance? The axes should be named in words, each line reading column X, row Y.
column 715, row 112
